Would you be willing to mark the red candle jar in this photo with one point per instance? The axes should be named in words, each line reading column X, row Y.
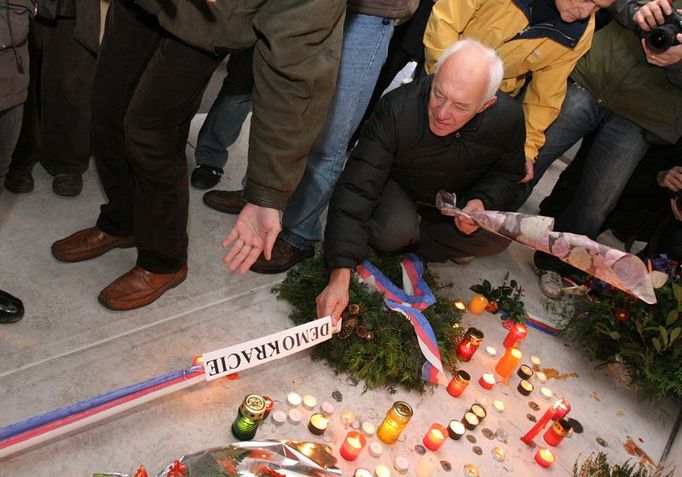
column 517, row 333
column 352, row 445
column 561, row 409
column 269, row 404
column 458, row 383
column 544, row 457
column 487, row 381
column 435, row 437
column 470, row 343
column 557, row 432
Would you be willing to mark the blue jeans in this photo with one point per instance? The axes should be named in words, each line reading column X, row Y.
column 365, row 46
column 617, row 147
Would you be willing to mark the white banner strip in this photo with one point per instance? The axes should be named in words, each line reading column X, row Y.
column 252, row 353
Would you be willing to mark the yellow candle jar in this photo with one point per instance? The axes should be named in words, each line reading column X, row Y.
column 477, row 304
column 395, row 421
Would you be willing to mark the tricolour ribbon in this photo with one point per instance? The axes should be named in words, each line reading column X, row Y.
column 415, row 297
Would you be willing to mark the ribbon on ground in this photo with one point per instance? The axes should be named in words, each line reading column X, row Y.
column 415, row 297
column 620, row 269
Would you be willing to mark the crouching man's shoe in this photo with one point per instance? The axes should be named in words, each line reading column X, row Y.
column 284, row 256
column 88, row 243
column 139, row 288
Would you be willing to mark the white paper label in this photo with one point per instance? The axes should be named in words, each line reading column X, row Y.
column 252, row 353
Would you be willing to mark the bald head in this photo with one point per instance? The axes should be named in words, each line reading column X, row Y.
column 467, row 77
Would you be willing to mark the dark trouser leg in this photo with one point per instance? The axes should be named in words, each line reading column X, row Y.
column 156, row 125
column 395, row 225
column 10, row 125
column 66, row 83
column 130, row 39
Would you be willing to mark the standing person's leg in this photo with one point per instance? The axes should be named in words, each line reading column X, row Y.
column 365, row 44
column 68, row 72
column 10, row 128
column 224, row 120
column 130, row 39
column 580, row 114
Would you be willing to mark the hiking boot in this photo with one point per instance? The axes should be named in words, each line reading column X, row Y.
column 284, row 256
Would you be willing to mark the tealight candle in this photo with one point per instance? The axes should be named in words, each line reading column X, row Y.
column 498, row 406
column 368, row 428
column 318, row 424
column 525, row 387
column 541, row 377
column 456, row 430
column 294, row 399
column 458, row 383
column 327, row 408
column 535, row 360
column 279, row 417
column 477, row 304
column 295, row 416
column 491, row 351
column 546, row 393
column 499, row 454
column 479, row 411
column 524, row 372
column 401, row 464
column 508, row 362
column 487, row 381
column 425, row 468
column 517, row 333
column 470, row 421
column 544, row 457
column 352, row 445
column 459, row 305
column 376, row 449
column 470, row 470
column 309, row 402
column 347, row 418
column 435, row 437
column 362, row 473
column 382, row 471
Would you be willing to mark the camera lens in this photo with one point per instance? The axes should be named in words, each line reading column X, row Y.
column 660, row 40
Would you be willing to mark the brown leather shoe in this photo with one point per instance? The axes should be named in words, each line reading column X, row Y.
column 227, row 201
column 88, row 243
column 284, row 256
column 139, row 288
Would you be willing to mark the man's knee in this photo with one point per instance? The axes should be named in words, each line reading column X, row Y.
column 396, row 233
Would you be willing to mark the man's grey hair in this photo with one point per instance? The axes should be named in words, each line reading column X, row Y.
column 496, row 66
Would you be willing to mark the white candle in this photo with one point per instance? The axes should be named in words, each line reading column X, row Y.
column 347, row 418
column 368, row 428
column 491, row 350
column 546, row 393
column 327, row 408
column 376, row 449
column 498, row 406
column 382, row 471
column 294, row 416
column 309, row 402
column 401, row 464
column 294, row 399
column 541, row 377
column 279, row 417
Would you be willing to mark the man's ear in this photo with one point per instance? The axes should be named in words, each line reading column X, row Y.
column 489, row 102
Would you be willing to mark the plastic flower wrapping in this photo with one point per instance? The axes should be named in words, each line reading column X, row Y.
column 252, row 459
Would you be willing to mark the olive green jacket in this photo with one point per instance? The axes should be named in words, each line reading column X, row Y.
column 297, row 46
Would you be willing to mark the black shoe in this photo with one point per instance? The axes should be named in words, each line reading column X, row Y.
column 19, row 181
column 11, row 308
column 205, row 177
column 227, row 201
column 284, row 256
column 68, row 185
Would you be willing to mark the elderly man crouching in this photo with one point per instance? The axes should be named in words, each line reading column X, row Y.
column 452, row 131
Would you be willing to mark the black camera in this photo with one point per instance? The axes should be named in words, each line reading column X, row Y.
column 679, row 199
column 663, row 36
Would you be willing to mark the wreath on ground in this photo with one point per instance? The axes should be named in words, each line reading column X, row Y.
column 380, row 346
column 640, row 344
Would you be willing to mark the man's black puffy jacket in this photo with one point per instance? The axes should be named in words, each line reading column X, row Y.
column 483, row 160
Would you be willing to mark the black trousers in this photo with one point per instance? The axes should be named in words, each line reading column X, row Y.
column 56, row 124
column 148, row 86
column 395, row 225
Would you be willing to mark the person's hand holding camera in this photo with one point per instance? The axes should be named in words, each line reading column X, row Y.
column 650, row 16
column 671, row 179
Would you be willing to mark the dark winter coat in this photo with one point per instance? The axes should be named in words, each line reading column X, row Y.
column 14, row 68
column 483, row 160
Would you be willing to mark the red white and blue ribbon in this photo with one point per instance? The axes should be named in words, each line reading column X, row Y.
column 415, row 297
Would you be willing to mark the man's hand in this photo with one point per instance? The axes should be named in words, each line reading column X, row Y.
column 665, row 58
column 465, row 225
column 334, row 298
column 652, row 14
column 530, row 166
column 255, row 232
column 671, row 179
column 676, row 210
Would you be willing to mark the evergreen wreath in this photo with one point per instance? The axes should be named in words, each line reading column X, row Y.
column 380, row 346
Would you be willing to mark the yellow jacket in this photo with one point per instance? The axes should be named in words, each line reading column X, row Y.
column 550, row 57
